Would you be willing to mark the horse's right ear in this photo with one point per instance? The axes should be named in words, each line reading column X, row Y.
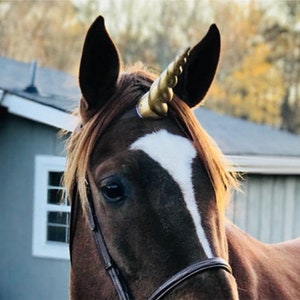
column 99, row 69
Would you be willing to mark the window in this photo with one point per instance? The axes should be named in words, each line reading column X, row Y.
column 51, row 210
column 57, row 217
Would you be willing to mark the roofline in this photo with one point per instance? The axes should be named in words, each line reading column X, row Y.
column 259, row 164
column 37, row 112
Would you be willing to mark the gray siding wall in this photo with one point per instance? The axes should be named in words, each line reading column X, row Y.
column 23, row 276
column 268, row 207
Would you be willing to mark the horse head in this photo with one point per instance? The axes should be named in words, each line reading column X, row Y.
column 145, row 177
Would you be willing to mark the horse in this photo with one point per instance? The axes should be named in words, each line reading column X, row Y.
column 149, row 188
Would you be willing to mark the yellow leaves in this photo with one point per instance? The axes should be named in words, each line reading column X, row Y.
column 48, row 33
column 247, row 84
column 254, row 90
column 217, row 91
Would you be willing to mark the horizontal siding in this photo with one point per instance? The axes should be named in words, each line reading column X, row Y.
column 267, row 207
column 22, row 275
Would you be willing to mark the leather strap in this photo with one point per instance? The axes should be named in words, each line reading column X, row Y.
column 109, row 264
column 198, row 267
column 74, row 211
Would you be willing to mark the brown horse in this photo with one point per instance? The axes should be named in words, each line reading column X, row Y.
column 149, row 188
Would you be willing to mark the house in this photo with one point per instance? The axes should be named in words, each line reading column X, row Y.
column 35, row 103
column 34, row 259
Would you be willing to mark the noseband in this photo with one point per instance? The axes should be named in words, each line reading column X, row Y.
column 190, row 271
column 116, row 276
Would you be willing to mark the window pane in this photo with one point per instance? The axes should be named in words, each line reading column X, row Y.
column 55, row 178
column 55, row 196
column 56, row 234
column 58, row 217
column 58, row 227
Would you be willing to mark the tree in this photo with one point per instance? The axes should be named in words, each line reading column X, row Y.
column 258, row 76
column 254, row 90
column 248, row 85
column 151, row 31
column 283, row 35
column 39, row 30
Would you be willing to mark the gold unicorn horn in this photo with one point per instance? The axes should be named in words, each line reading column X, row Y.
column 154, row 104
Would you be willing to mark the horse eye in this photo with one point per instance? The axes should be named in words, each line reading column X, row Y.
column 113, row 190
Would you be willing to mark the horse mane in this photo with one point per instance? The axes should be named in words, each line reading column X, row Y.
column 132, row 84
column 219, row 170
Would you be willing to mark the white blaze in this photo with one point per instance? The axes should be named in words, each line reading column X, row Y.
column 175, row 154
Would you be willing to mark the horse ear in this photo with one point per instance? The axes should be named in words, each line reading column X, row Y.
column 199, row 71
column 99, row 69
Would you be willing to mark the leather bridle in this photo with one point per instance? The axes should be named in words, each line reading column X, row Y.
column 112, row 269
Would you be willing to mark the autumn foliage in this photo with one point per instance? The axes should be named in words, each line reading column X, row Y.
column 259, row 73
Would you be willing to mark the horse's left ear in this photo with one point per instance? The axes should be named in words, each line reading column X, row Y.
column 99, row 69
column 200, row 69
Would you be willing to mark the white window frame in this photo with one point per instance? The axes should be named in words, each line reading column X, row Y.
column 40, row 246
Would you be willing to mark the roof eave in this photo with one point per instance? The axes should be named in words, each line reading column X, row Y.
column 260, row 164
column 37, row 112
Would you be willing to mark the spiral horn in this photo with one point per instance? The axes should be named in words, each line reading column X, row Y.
column 154, row 104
